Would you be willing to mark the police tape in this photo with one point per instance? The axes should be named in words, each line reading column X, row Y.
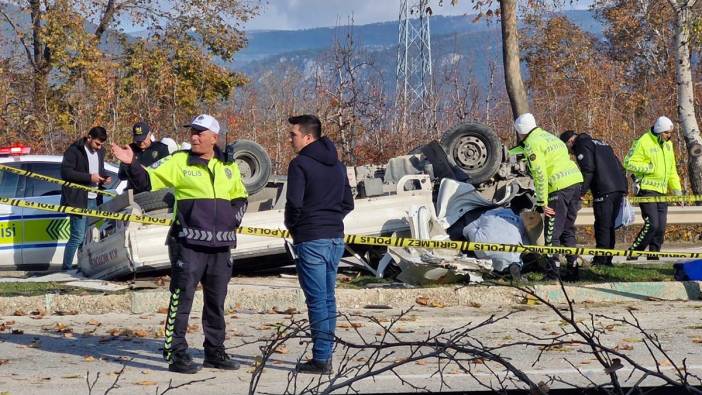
column 633, row 200
column 666, row 199
column 53, row 180
column 363, row 239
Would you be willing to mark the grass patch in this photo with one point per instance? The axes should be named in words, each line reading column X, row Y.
column 619, row 273
column 34, row 289
column 359, row 282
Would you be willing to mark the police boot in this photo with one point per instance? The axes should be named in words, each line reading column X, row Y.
column 551, row 270
column 314, row 367
column 182, row 362
column 217, row 358
column 572, row 273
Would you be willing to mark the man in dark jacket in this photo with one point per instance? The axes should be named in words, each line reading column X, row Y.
column 318, row 199
column 83, row 163
column 604, row 175
column 146, row 151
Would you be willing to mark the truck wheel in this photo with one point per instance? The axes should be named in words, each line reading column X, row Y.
column 475, row 149
column 254, row 164
column 155, row 202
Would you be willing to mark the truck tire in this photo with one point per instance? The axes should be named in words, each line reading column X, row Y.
column 475, row 149
column 254, row 164
column 155, row 202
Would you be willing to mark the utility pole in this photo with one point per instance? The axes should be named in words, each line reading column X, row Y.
column 414, row 72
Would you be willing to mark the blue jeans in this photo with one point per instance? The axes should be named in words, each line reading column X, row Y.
column 317, row 263
column 78, row 223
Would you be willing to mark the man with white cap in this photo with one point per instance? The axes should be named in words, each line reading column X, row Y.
column 651, row 160
column 210, row 201
column 557, row 183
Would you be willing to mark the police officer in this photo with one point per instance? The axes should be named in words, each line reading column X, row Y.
column 145, row 150
column 651, row 160
column 557, row 183
column 210, row 201
column 604, row 175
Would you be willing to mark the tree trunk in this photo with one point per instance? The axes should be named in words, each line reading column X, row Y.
column 41, row 61
column 686, row 109
column 510, row 57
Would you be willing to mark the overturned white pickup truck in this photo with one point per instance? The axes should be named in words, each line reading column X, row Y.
column 383, row 197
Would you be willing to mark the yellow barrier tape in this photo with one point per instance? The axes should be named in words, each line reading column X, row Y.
column 42, row 177
column 364, row 239
column 665, row 199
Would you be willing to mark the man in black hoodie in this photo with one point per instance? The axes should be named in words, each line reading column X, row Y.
column 83, row 163
column 604, row 174
column 318, row 199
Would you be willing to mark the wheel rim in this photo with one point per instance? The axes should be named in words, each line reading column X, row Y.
column 247, row 166
column 470, row 152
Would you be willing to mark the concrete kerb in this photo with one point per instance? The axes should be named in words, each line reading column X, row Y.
column 263, row 298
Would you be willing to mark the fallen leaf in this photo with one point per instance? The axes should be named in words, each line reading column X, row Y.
column 9, row 323
column 72, row 376
column 288, row 311
column 403, row 330
column 68, row 335
column 422, row 300
column 88, row 358
column 4, row 361
column 281, row 349
column 622, row 346
column 146, row 382
column 159, row 332
column 632, row 339
column 411, row 317
column 19, row 313
column 475, row 304
column 140, row 333
column 697, row 340
column 94, row 322
column 163, row 310
column 193, row 328
column 67, row 312
column 421, row 362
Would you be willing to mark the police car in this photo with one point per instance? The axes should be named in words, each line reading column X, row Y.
column 34, row 239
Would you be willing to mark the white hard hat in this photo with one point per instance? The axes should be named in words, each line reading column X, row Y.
column 185, row 146
column 525, row 123
column 663, row 124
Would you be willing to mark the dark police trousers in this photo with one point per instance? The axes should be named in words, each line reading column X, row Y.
column 655, row 217
column 606, row 208
column 191, row 265
column 559, row 230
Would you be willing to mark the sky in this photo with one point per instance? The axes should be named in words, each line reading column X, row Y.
column 305, row 14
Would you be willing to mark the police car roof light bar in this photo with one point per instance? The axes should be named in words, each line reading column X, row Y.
column 16, row 149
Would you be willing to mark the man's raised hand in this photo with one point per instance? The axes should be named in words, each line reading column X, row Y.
column 123, row 154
